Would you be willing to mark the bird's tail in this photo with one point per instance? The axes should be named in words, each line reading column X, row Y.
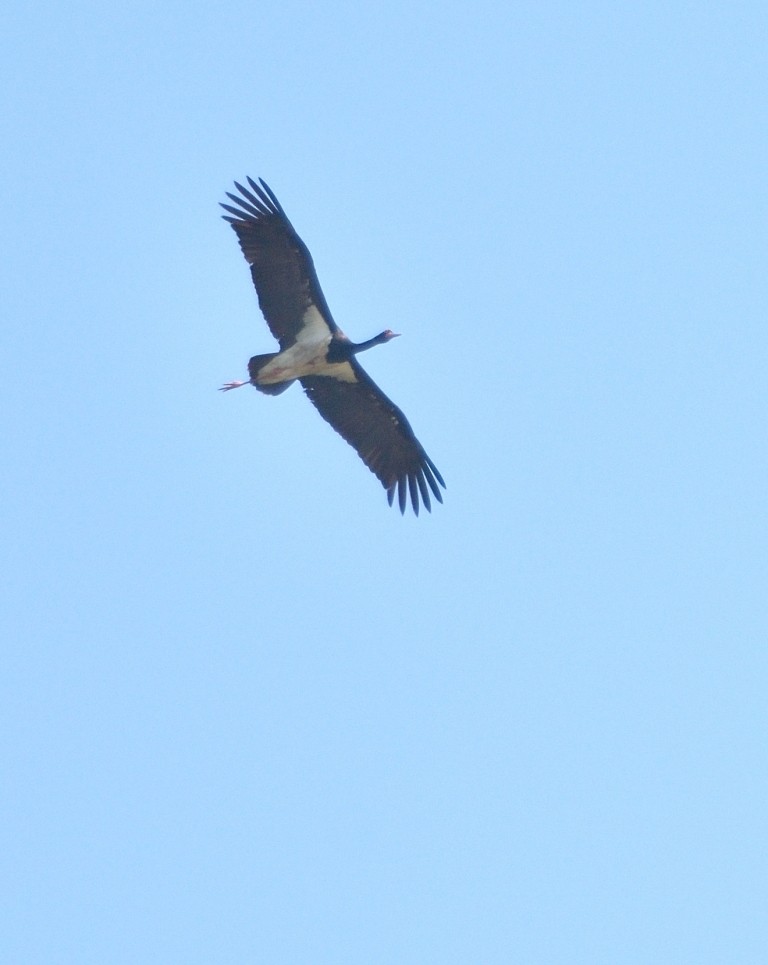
column 255, row 365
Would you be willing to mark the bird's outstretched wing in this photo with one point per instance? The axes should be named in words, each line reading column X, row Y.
column 281, row 265
column 374, row 426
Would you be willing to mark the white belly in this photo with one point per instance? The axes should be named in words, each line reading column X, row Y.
column 307, row 355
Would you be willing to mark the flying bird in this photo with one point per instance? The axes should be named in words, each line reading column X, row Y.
column 315, row 351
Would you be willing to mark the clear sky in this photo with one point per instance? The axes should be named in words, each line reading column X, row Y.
column 248, row 713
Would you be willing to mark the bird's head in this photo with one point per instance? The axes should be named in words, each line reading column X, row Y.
column 387, row 335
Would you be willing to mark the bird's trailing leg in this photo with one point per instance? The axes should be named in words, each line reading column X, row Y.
column 233, row 385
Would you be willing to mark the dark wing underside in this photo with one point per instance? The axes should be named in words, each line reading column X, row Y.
column 374, row 426
column 281, row 265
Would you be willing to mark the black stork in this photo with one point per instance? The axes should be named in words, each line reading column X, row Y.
column 314, row 350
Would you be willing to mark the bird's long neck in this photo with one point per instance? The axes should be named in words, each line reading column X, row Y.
column 356, row 347
column 341, row 349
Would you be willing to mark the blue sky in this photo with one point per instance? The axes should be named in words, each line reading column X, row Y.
column 251, row 714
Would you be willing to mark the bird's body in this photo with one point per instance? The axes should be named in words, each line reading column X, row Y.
column 315, row 351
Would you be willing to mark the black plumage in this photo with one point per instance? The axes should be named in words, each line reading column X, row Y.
column 314, row 350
